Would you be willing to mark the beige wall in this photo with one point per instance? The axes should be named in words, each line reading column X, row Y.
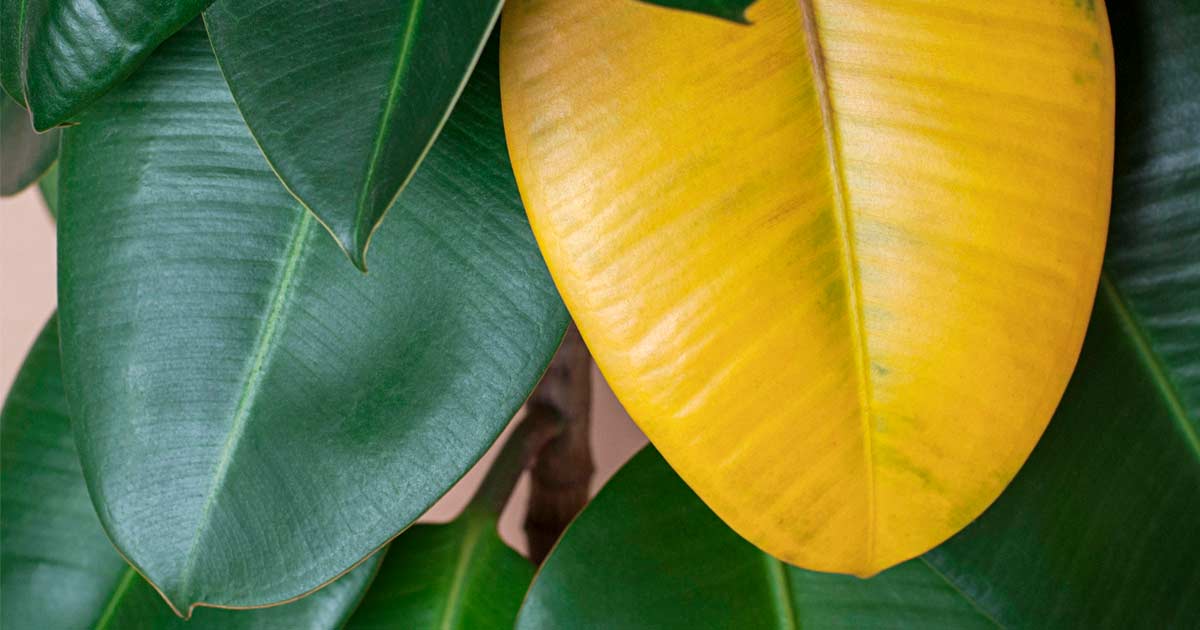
column 27, row 297
column 26, row 277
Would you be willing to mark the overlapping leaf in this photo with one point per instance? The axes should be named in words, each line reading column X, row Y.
column 25, row 155
column 254, row 416
column 838, row 266
column 1098, row 528
column 679, row 566
column 346, row 97
column 60, row 55
column 734, row 10
column 59, row 570
column 447, row 577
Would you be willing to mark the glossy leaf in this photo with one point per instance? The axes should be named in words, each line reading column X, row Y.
column 255, row 416
column 61, row 55
column 25, row 155
column 346, row 97
column 837, row 266
column 59, row 570
column 734, row 10
column 443, row 577
column 1098, row 528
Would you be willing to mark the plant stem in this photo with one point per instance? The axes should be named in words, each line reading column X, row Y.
column 561, row 476
column 540, row 424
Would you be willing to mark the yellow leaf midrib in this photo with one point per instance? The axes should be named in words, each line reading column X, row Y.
column 845, row 224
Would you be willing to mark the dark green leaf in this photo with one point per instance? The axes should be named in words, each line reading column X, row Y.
column 1155, row 230
column 457, row 575
column 59, row 571
column 1096, row 531
column 60, row 55
column 25, row 155
column 346, row 97
column 733, row 10
column 253, row 414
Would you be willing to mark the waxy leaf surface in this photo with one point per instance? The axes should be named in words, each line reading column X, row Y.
column 58, row 56
column 837, row 265
column 457, row 576
column 346, row 97
column 59, row 570
column 253, row 415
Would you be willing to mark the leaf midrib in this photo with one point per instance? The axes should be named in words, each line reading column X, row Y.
column 402, row 63
column 110, row 608
column 983, row 612
column 781, row 593
column 1145, row 349
column 476, row 528
column 263, row 344
column 845, row 226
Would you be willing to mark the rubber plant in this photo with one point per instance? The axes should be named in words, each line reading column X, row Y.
column 837, row 259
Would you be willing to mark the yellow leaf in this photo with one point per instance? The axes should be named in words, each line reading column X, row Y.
column 837, row 264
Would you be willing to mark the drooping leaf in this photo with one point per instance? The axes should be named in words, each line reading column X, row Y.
column 443, row 577
column 25, row 155
column 253, row 415
column 1098, row 528
column 61, row 55
column 837, row 266
column 346, row 97
column 734, row 10
column 59, row 570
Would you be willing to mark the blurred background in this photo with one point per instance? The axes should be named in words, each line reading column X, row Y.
column 27, row 298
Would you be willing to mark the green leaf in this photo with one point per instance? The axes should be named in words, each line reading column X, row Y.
column 457, row 575
column 49, row 187
column 61, row 55
column 1098, row 528
column 59, row 570
column 733, row 10
column 26, row 155
column 1152, row 255
column 647, row 553
column 346, row 97
column 254, row 416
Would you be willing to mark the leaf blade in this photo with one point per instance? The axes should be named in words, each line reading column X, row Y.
column 698, row 242
column 348, row 169
column 206, row 330
column 1107, row 501
column 59, row 569
column 64, row 55
column 456, row 575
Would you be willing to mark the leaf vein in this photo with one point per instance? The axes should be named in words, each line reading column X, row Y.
column 263, row 344
column 850, row 260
